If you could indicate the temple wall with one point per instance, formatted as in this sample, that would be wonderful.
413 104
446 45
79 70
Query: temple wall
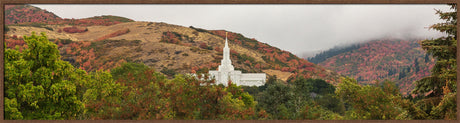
253 79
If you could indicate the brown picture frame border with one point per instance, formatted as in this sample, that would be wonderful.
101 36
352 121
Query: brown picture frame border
3 2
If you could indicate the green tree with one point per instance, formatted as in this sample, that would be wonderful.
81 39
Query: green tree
331 102
319 113
295 99
277 100
318 91
369 102
194 98
145 95
302 89
38 85
128 69
320 86
102 96
440 87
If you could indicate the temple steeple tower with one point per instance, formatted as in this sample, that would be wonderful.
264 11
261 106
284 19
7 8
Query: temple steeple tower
227 73
226 62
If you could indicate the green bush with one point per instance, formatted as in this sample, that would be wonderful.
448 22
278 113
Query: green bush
169 72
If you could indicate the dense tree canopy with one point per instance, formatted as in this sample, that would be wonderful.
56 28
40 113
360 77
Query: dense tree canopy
370 102
141 93
38 85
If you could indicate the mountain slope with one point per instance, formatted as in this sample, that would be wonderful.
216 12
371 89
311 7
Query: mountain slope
396 60
33 16
167 48
17 14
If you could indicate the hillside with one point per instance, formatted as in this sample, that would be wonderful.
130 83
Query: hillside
28 15
396 60
168 48
18 14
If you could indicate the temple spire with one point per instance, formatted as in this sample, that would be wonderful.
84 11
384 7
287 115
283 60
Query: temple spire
226 72
226 44
226 62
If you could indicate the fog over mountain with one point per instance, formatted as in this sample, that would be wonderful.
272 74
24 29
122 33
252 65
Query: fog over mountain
295 28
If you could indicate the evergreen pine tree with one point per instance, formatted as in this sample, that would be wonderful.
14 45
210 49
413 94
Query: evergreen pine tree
440 87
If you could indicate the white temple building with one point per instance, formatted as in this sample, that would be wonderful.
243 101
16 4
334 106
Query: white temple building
226 72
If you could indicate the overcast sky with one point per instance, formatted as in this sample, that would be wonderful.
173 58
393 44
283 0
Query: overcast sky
295 28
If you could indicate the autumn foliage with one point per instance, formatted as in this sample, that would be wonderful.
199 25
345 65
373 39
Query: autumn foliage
114 34
74 29
146 94
15 41
396 60
15 14
171 37
26 14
